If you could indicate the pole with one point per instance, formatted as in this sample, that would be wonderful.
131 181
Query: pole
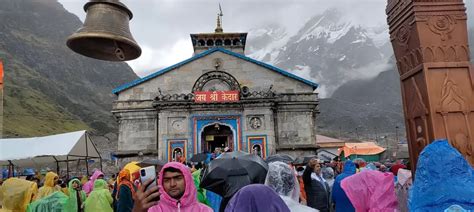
1 99
67 167
11 169
57 165
158 156
87 155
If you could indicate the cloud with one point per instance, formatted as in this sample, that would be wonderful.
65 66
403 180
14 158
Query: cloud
160 58
161 25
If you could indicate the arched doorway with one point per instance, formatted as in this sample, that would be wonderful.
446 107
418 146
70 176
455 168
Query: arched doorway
257 150
216 136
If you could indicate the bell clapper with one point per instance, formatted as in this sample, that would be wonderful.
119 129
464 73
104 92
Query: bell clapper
119 52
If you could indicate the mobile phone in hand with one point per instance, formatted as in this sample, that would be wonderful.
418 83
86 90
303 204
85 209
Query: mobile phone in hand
146 174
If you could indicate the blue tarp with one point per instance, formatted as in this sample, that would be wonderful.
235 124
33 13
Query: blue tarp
5 173
443 178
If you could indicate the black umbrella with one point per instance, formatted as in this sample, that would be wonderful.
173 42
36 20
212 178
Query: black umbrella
232 171
152 162
304 159
280 157
198 157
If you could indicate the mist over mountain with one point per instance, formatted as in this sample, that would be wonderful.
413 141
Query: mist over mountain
48 88
330 49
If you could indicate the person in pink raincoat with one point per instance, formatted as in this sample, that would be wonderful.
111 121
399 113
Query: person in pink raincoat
90 184
371 191
176 191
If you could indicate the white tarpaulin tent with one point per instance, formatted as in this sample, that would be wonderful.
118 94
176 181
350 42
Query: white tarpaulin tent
38 151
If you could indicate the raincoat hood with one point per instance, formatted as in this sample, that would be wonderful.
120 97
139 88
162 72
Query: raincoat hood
370 166
49 186
189 196
349 168
338 195
282 179
70 187
90 184
49 179
100 198
96 175
443 178
371 191
17 194
100 184
255 198
328 173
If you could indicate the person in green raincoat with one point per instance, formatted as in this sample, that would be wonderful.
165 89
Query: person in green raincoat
56 201
99 199
201 193
76 196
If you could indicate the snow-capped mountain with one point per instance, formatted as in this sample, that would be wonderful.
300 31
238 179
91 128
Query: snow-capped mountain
330 49
264 43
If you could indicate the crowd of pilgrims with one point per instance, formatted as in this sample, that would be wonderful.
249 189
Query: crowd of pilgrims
317 186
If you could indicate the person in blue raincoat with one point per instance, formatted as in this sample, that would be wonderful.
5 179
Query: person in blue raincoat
444 180
339 197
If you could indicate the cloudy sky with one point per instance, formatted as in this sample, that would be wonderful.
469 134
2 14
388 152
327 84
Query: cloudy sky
162 27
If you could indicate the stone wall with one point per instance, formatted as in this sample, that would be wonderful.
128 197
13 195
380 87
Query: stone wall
137 130
182 79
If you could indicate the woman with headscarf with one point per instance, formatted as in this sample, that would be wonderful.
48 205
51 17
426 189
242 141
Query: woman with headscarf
282 179
371 191
50 185
256 198
99 199
17 194
125 192
76 196
339 197
316 187
90 184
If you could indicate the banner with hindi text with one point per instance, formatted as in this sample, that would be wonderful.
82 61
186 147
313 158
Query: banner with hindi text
216 96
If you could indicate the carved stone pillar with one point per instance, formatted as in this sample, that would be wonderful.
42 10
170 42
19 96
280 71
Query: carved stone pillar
429 38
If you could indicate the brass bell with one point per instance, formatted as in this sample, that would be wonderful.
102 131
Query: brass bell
106 33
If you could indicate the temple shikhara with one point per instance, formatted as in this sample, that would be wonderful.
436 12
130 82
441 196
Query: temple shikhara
217 98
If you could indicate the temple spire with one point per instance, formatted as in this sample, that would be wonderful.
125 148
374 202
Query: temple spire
219 20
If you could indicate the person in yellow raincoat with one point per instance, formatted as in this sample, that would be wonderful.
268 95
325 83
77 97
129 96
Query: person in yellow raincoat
17 194
50 185
84 179
99 199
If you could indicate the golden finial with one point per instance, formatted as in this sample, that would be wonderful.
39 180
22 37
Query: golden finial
219 17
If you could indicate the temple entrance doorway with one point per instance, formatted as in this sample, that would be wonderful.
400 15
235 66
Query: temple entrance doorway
216 136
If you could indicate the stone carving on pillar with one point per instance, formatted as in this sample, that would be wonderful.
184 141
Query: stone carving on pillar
429 38
442 25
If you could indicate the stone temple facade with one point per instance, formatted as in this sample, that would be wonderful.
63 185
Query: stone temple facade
217 98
